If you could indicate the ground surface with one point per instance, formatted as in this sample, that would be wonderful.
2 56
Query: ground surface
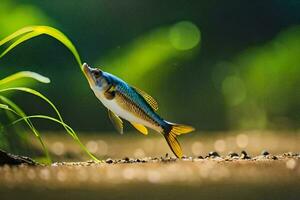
137 167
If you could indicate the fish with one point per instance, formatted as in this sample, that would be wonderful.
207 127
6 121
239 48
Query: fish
127 102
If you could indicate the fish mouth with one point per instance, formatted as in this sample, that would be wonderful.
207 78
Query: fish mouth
87 70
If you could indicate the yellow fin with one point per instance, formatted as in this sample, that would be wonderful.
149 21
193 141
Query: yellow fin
174 144
141 128
152 102
179 129
176 130
116 121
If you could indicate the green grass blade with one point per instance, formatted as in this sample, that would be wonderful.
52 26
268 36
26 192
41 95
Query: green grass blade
19 41
18 111
24 74
33 31
43 117
36 93
27 33
5 107
62 38
16 34
68 128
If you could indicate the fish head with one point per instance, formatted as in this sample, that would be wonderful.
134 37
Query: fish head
97 78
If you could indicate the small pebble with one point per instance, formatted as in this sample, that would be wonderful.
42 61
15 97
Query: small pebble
109 161
244 155
213 154
187 158
274 158
233 154
184 157
200 157
290 154
265 153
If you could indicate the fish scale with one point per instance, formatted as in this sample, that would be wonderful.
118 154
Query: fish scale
139 102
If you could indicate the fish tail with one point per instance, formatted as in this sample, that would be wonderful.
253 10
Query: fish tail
172 132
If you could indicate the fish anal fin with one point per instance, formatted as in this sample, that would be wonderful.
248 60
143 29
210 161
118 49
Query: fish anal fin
141 128
149 99
116 121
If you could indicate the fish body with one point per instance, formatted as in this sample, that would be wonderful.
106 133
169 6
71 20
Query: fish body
130 105
134 105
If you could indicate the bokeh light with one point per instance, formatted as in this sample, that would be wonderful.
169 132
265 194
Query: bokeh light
185 35
234 90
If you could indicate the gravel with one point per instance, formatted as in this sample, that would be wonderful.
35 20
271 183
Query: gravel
265 153
244 155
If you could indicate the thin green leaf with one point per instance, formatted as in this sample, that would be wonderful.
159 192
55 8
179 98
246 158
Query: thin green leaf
36 93
27 33
19 41
24 74
68 128
18 111
33 31
5 107
43 117
16 34
62 38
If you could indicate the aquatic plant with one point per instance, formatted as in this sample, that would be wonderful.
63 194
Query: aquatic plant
12 41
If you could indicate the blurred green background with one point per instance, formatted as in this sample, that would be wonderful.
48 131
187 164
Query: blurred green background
217 65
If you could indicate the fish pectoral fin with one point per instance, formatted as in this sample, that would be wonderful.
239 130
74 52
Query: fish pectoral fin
110 93
149 99
116 121
141 128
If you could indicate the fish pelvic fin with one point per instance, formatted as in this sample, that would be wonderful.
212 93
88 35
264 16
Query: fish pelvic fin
141 128
116 121
174 131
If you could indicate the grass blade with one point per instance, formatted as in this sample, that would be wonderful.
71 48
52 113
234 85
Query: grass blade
36 93
24 74
67 127
43 117
19 41
18 111
5 107
62 38
25 34
34 31
16 34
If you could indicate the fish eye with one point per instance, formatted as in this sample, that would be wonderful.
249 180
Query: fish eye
97 73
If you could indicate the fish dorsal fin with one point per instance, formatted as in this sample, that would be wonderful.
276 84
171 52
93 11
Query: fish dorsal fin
141 128
116 121
152 102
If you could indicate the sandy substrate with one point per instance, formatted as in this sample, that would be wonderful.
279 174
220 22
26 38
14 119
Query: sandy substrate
233 166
